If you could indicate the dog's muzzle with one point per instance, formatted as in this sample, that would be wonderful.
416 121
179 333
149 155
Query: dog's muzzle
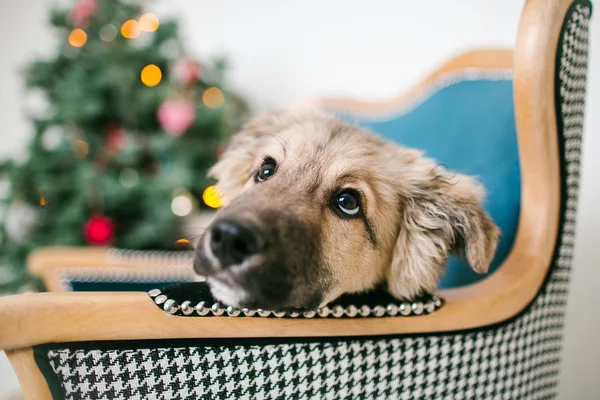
271 265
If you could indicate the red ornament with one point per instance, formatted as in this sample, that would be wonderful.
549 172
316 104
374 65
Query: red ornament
115 137
186 72
99 230
81 13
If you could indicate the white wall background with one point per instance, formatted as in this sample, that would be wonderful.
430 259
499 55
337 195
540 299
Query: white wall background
284 51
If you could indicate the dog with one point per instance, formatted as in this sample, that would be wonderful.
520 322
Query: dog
314 207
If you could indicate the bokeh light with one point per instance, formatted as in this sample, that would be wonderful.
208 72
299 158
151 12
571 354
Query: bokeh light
182 205
212 197
149 22
130 29
108 33
77 37
213 97
80 149
151 75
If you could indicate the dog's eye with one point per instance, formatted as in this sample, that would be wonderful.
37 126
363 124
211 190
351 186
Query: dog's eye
348 202
266 170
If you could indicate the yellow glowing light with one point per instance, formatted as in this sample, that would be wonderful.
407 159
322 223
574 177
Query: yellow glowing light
130 29
77 37
43 201
80 148
212 197
149 22
182 241
151 75
213 97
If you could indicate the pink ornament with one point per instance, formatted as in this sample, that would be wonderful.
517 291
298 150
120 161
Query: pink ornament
81 13
186 72
176 116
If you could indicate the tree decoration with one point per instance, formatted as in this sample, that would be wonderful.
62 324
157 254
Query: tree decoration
52 138
99 230
151 75
176 115
212 197
108 33
105 140
77 37
130 29
115 137
20 222
186 72
213 98
81 13
183 202
149 22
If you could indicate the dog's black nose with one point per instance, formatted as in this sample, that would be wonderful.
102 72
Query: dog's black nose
232 242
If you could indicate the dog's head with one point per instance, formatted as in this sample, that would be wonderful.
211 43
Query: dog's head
314 208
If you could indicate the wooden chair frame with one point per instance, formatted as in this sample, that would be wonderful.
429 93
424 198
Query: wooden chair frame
33 319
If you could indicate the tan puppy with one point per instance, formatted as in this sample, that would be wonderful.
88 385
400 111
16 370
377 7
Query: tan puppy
315 208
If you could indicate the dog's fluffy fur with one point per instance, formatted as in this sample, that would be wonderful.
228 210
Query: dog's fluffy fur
415 213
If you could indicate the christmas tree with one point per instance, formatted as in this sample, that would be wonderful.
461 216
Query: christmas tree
120 156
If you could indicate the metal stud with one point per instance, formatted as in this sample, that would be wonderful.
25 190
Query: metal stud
217 310
232 311
154 292
264 313
378 311
248 313
337 311
429 307
294 314
405 308
437 301
392 309
364 311
351 310
417 307
201 310
160 299
186 307
171 306
323 312
309 314
279 314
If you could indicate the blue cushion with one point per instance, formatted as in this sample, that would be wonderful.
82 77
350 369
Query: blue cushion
469 127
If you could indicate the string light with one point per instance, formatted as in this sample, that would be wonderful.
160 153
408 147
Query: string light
80 149
77 37
182 205
151 75
108 33
211 197
130 29
149 22
182 241
213 98
43 200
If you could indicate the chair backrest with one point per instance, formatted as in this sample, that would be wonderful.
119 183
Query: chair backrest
463 116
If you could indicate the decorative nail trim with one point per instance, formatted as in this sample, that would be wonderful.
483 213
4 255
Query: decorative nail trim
427 305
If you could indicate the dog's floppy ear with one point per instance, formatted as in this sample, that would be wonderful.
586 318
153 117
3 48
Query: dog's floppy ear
441 213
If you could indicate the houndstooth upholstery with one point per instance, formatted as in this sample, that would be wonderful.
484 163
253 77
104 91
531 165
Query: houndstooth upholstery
517 360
